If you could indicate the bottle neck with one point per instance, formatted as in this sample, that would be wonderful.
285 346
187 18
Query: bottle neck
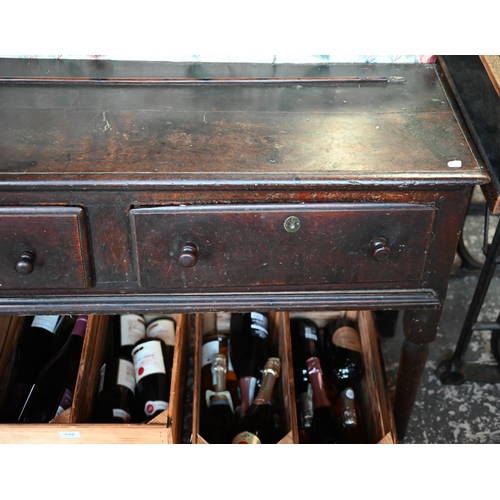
80 326
270 374
320 397
219 367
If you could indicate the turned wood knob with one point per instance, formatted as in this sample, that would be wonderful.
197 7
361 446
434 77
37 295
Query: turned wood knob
188 256
380 250
25 263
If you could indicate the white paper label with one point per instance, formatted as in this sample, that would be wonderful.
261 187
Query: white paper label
119 413
148 359
69 435
153 406
163 329
132 328
259 324
207 352
126 374
49 323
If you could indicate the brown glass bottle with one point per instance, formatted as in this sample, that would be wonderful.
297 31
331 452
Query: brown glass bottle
258 424
217 426
345 368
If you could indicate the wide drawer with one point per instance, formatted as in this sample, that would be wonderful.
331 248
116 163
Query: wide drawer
373 396
73 425
207 247
43 248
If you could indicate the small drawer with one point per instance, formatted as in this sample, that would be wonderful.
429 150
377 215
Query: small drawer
44 248
279 346
269 246
73 425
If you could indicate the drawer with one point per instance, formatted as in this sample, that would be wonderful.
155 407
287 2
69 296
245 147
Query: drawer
269 246
373 392
279 346
373 395
44 248
73 425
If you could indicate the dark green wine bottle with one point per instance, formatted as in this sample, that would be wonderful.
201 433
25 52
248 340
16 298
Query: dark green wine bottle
258 425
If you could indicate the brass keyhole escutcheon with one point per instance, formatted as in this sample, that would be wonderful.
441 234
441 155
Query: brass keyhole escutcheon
292 224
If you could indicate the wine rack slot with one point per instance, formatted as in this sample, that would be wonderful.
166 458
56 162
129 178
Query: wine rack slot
73 426
373 395
279 346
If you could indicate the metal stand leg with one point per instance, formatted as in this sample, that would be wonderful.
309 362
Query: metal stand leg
455 371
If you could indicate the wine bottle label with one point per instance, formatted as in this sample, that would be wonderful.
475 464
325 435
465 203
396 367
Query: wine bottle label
148 359
259 324
119 413
163 329
310 333
213 347
207 352
246 437
152 407
65 402
348 338
132 329
48 323
102 374
126 374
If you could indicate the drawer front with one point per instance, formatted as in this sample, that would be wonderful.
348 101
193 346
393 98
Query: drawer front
43 248
266 246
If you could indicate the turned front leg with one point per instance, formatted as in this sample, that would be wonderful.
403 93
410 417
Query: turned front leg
420 328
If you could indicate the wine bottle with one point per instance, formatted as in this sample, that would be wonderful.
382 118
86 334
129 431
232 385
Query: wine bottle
164 328
53 390
305 344
258 424
33 351
326 426
152 376
128 329
344 363
248 350
215 342
116 393
62 333
217 426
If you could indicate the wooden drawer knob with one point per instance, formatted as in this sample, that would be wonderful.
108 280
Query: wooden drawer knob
188 256
380 250
25 263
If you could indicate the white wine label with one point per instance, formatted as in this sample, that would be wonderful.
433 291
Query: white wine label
310 333
348 338
148 359
132 328
69 435
119 413
48 323
246 438
126 375
152 407
163 329
207 352
259 324
65 402
102 374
